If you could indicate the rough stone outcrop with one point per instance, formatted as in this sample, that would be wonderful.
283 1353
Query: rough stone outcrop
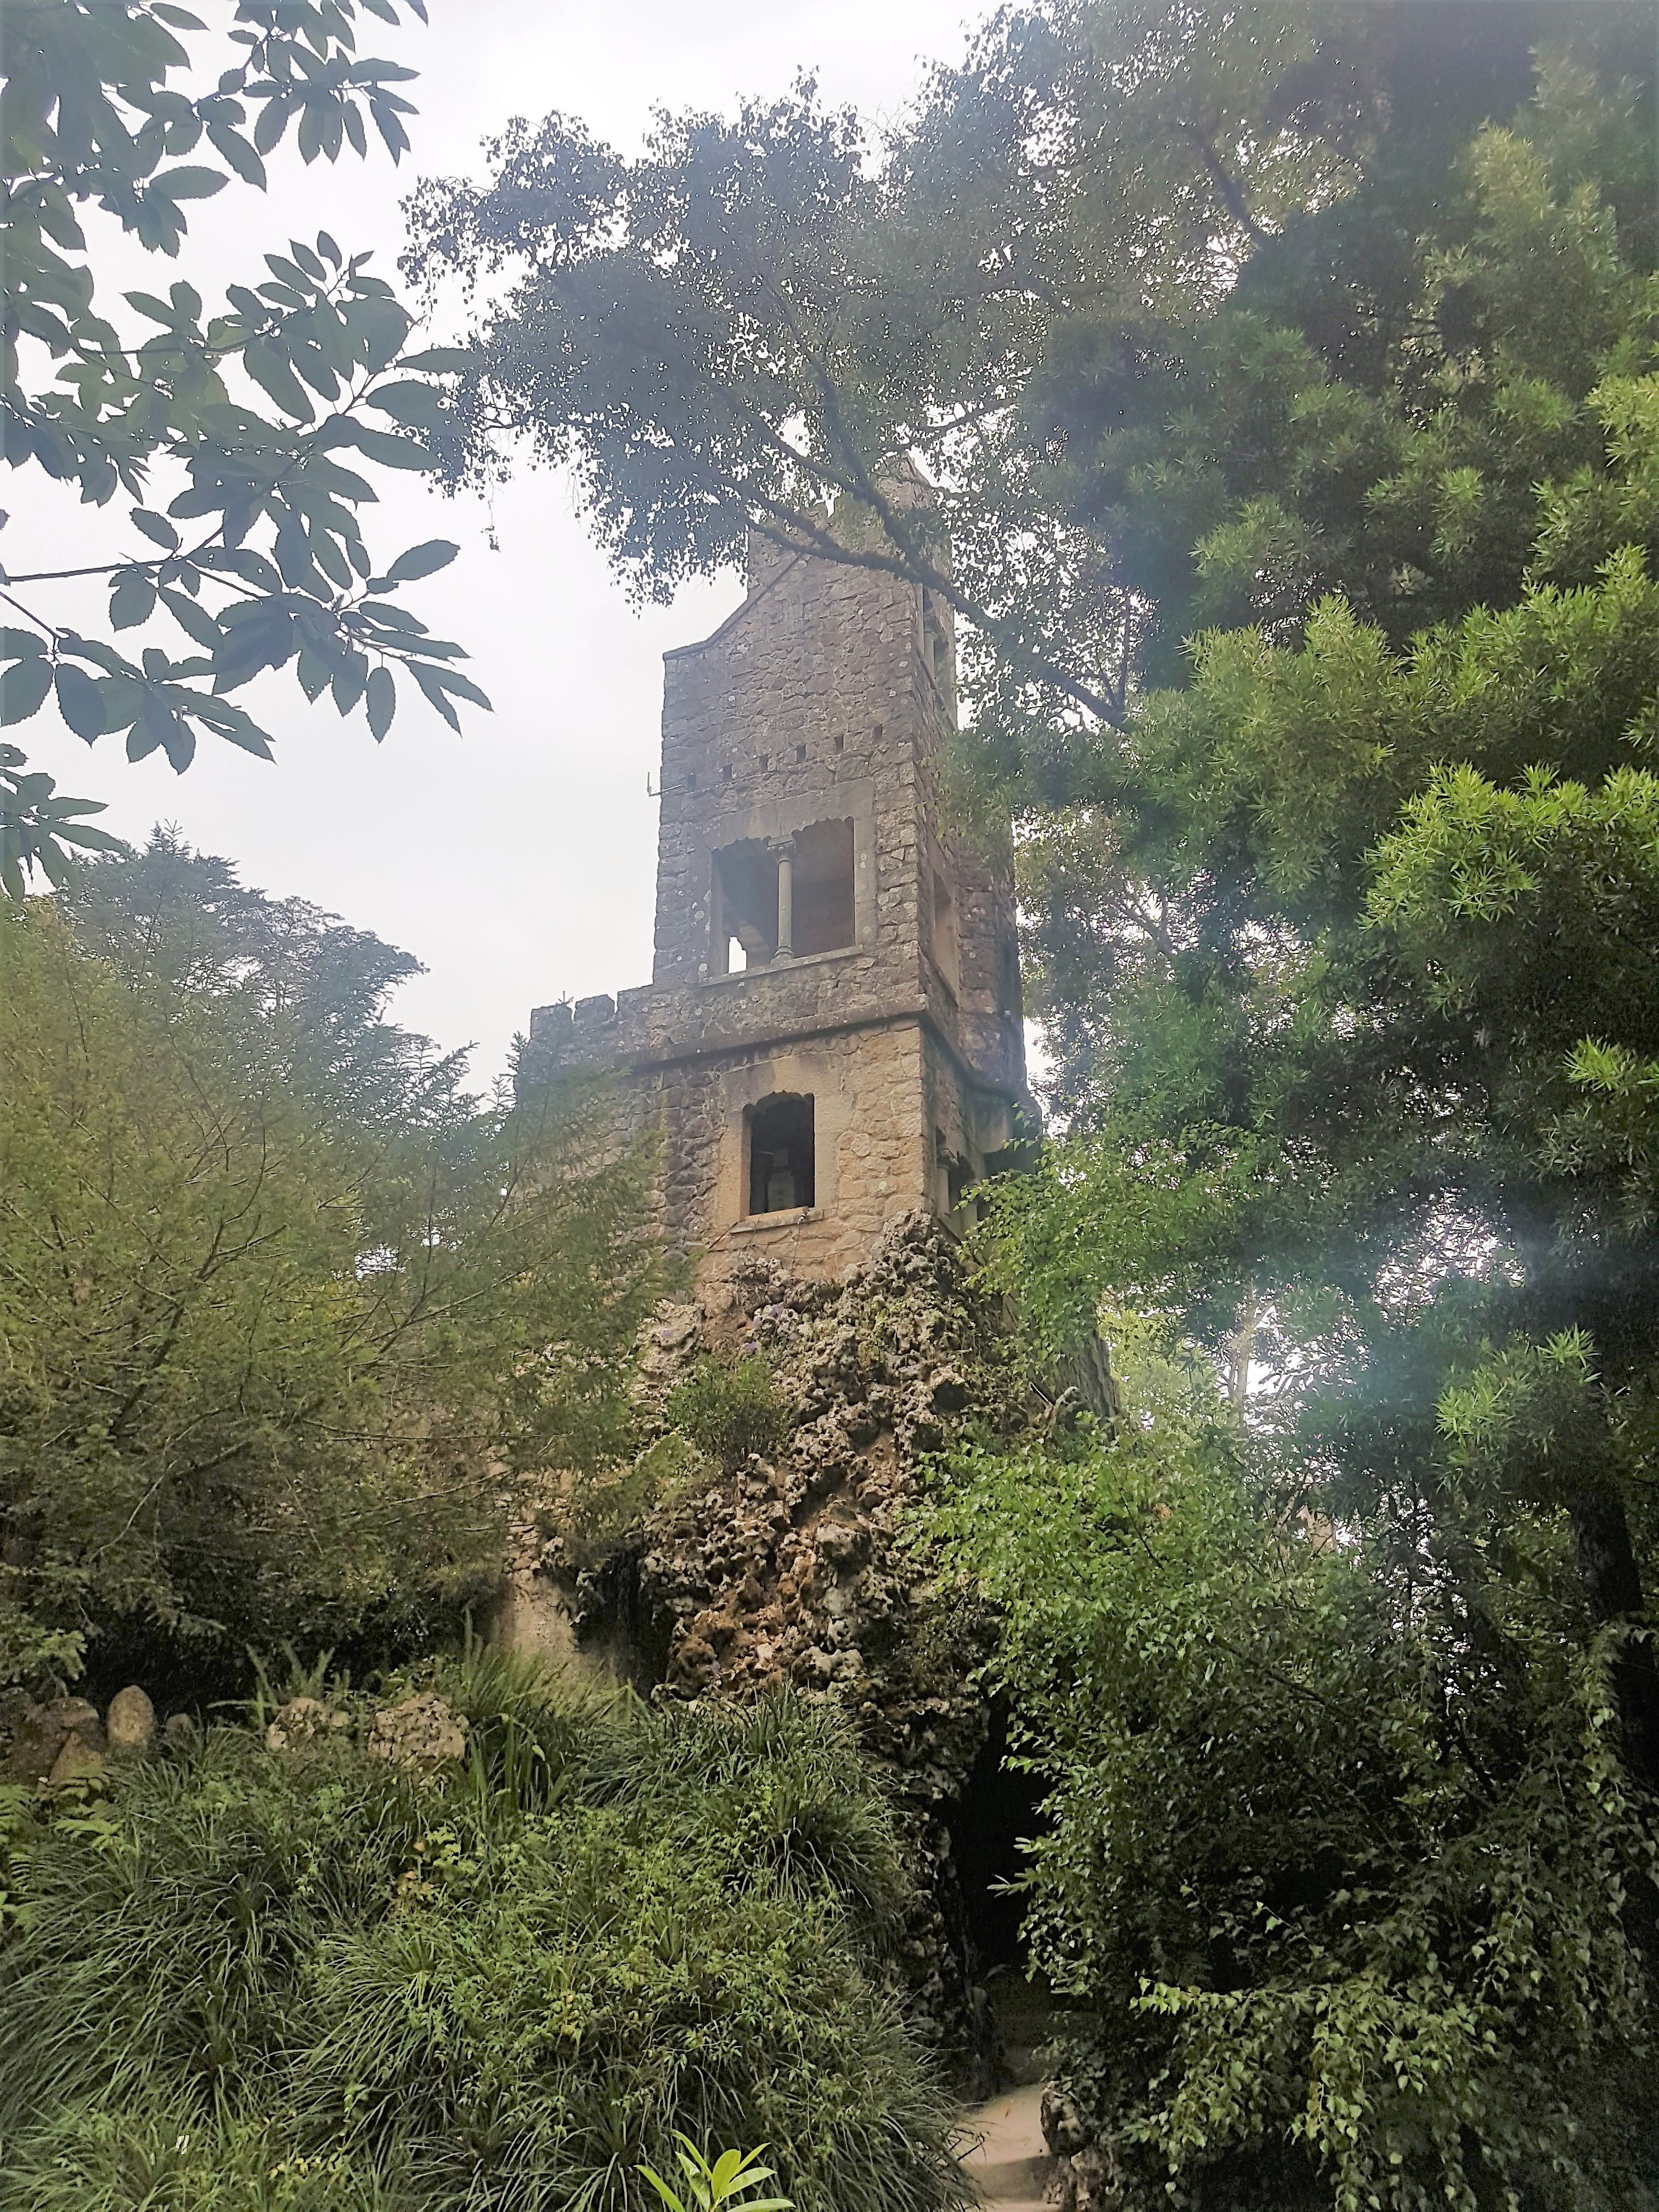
41 1733
423 1732
804 1566
301 1723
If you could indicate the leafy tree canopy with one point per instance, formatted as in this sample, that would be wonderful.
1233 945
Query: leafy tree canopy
1088 289
237 435
287 1320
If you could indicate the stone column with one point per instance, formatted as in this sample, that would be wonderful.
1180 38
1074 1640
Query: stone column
786 852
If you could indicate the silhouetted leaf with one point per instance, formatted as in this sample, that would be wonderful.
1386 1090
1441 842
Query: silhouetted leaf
79 701
421 561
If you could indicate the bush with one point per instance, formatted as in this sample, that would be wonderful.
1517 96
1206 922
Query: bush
1332 1940
307 1981
608 1502
730 1409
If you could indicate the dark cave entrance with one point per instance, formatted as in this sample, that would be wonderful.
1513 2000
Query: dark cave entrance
998 1807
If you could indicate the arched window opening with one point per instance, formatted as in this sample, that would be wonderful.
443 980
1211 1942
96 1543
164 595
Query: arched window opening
782 1165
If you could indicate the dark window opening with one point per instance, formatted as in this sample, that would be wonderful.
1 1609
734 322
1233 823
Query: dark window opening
823 888
801 752
768 915
691 780
840 745
745 904
726 771
782 1164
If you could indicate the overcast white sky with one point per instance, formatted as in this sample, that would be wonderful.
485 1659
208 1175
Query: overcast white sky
516 862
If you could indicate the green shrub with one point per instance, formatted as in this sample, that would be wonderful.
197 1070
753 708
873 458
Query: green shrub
312 1983
607 1503
730 1409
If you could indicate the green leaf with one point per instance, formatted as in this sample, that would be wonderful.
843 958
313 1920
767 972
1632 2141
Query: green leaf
280 266
391 452
189 184
314 672
160 724
349 682
193 619
426 678
421 561
380 697
417 404
391 130
293 551
132 601
79 701
253 568
442 360
18 644
230 145
23 688
463 687
272 373
155 527
273 120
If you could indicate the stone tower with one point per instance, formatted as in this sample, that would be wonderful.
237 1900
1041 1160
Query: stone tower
832 1035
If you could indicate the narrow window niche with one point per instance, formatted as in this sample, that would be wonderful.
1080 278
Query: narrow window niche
947 957
933 649
782 1165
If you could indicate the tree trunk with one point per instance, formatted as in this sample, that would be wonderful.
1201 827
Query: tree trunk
1613 1587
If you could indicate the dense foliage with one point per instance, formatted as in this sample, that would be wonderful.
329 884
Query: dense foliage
286 1318
308 1980
1354 1914
1288 374
227 430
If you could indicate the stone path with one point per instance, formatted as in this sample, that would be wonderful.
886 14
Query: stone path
1010 2162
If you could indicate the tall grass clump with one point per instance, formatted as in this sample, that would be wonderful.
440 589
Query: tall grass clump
311 1983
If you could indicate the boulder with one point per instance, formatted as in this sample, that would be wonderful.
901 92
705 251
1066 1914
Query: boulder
41 1731
181 1733
129 1724
1064 2127
79 1761
424 1731
303 1722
